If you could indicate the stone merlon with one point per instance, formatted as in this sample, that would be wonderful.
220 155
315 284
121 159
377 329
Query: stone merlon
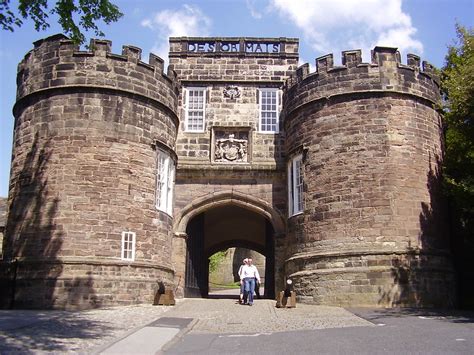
56 62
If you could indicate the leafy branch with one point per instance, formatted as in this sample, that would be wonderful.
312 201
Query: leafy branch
75 16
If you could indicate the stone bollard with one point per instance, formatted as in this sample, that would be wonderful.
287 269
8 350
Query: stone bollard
164 297
287 298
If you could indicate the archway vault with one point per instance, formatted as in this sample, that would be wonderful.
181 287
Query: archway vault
236 244
243 221
228 197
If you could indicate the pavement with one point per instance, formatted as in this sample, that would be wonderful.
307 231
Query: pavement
204 324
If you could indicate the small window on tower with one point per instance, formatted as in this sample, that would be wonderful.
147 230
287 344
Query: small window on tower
128 246
295 185
165 173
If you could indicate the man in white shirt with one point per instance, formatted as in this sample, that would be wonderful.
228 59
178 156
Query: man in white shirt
249 274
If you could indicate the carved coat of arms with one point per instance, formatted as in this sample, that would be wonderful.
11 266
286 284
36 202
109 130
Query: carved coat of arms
230 150
232 92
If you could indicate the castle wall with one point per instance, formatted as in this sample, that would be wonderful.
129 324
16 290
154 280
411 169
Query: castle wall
83 171
88 125
372 230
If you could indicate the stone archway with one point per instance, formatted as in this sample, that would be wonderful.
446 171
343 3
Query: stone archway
224 198
217 220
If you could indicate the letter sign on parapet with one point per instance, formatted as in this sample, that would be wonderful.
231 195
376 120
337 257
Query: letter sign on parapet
233 47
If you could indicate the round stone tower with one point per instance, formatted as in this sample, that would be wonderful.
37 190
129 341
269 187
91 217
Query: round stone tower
83 229
371 229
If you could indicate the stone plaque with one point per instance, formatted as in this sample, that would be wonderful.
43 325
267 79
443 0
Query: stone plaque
231 146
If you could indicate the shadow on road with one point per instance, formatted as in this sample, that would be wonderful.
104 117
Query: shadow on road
44 331
229 294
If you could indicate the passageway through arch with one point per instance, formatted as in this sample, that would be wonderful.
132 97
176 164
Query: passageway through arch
224 266
221 227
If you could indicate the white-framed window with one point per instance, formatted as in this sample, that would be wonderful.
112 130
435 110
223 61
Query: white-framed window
128 246
164 181
269 110
295 185
195 108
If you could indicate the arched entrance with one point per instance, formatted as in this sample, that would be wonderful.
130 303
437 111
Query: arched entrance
222 221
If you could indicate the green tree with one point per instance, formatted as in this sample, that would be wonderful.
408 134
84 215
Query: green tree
457 83
74 15
216 259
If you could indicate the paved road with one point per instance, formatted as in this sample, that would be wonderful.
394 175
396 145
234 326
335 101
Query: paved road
389 332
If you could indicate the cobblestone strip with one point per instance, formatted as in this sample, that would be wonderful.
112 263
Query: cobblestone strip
227 316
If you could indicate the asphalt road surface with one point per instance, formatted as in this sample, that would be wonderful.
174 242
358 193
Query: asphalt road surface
402 331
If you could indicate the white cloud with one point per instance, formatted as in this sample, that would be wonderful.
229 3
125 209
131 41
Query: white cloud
187 21
253 11
336 25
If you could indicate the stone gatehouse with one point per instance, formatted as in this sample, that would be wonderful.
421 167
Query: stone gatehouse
125 177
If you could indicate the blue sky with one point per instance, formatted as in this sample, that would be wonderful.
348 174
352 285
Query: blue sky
423 27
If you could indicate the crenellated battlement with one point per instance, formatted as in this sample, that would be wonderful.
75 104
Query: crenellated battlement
384 73
100 48
381 56
57 61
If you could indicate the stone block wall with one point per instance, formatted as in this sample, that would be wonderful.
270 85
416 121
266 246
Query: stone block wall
82 283
245 71
371 140
262 175
84 170
374 279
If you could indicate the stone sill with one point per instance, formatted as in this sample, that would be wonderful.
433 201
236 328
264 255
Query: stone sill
205 166
361 269
95 261
368 252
